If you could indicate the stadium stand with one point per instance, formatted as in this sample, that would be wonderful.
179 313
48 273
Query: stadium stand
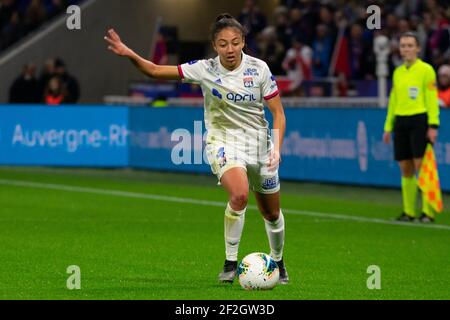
323 48
316 48
20 17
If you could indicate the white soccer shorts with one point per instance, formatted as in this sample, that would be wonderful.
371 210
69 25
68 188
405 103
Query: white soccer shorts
223 158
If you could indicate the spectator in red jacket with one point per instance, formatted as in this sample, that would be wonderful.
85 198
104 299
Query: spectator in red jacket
444 86
55 93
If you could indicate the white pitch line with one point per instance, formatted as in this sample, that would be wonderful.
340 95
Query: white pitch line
118 193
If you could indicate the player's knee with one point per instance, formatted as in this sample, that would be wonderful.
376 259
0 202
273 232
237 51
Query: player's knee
239 200
408 172
271 215
407 169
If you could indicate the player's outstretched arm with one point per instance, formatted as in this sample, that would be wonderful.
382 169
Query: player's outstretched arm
279 128
145 66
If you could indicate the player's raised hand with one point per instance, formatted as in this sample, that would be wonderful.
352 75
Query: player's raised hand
115 44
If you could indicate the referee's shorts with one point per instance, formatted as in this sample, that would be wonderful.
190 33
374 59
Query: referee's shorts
410 136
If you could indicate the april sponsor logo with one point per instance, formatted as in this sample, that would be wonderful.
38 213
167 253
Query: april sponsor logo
234 97
71 139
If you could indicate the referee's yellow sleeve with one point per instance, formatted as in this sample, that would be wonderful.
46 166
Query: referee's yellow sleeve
390 118
431 97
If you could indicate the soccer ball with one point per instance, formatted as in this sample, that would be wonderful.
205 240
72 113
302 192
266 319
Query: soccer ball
258 271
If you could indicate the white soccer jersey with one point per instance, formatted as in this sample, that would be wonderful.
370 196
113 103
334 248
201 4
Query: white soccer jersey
233 99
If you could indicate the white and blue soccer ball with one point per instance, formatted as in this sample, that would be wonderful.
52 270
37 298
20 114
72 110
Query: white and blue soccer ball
258 271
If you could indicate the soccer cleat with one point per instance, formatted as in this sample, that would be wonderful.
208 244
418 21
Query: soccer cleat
284 277
426 219
405 218
229 271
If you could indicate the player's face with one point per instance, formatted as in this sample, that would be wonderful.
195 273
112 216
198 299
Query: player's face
409 50
228 45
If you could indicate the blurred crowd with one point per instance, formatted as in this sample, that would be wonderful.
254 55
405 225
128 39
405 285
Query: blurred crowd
312 43
54 85
19 17
314 39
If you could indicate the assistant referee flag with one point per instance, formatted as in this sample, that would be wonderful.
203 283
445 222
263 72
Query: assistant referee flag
429 180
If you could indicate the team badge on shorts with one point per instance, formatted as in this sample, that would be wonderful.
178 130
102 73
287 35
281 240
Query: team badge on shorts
248 82
222 159
270 183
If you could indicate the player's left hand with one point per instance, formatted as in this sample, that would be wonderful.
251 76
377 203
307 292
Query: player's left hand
432 135
116 45
274 160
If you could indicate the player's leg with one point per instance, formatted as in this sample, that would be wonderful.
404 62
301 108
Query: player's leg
266 187
409 190
427 211
235 182
419 142
232 175
403 154
269 206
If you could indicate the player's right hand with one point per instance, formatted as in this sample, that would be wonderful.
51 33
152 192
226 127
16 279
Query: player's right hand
274 161
115 44
387 137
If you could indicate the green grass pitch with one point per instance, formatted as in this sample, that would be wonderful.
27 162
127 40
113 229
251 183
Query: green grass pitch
142 235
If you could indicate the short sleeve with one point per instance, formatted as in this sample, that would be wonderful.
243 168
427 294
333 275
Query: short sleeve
192 72
431 96
269 87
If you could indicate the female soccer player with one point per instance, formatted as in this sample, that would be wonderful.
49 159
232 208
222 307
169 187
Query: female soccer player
413 116
238 145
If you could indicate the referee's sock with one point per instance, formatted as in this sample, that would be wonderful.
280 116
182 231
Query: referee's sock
234 223
426 207
409 192
275 233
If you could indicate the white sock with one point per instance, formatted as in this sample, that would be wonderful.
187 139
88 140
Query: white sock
234 223
275 233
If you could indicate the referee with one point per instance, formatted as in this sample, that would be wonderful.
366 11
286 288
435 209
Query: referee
413 117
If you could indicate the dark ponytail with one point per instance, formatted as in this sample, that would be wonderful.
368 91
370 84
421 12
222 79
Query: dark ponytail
225 20
224 16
